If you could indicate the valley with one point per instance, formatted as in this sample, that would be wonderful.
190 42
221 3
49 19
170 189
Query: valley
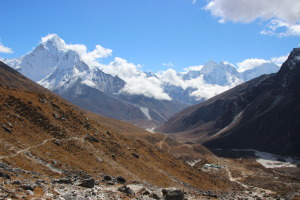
52 149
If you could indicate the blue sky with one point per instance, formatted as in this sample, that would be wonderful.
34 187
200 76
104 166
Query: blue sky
153 33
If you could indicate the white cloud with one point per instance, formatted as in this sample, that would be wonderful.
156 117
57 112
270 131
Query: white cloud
171 76
168 64
194 1
283 13
147 86
207 91
281 28
250 64
120 67
194 68
4 49
91 57
279 60
137 82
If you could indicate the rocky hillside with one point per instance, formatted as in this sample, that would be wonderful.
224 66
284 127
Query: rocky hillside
47 142
260 114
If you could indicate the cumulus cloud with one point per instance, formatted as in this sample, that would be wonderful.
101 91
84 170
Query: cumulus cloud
137 82
120 67
4 49
208 91
279 60
171 76
168 64
250 64
91 57
147 86
281 28
283 13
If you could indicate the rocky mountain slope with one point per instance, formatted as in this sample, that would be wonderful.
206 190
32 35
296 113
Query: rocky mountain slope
260 114
48 144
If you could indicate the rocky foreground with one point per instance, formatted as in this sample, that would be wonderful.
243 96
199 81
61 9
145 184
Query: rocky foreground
80 186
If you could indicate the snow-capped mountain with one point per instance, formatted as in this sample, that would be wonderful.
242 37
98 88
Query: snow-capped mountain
222 74
56 66
265 68
60 68
121 89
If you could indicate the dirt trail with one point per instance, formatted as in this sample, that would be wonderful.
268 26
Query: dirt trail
162 142
256 189
38 145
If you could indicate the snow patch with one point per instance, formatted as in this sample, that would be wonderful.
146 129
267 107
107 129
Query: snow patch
272 161
151 130
89 83
269 160
146 112
194 162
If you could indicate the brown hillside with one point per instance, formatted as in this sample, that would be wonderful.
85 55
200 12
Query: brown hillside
44 135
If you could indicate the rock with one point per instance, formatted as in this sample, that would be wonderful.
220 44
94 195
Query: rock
28 187
121 180
126 190
6 176
40 181
87 126
57 142
135 155
62 181
110 183
173 194
88 183
108 133
43 100
144 191
17 182
107 178
157 194
9 124
91 138
55 116
6 129
210 194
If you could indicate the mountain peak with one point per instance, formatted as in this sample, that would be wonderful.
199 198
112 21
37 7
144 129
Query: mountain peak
53 40
293 58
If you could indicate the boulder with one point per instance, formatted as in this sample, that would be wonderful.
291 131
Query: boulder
173 194
157 194
28 187
91 139
6 176
88 183
135 155
107 178
121 180
126 190
7 129
62 181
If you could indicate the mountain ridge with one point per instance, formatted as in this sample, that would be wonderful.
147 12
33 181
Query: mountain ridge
259 114
63 67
